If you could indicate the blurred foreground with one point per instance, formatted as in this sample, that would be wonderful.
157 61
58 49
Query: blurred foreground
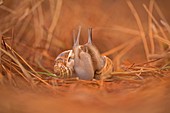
150 98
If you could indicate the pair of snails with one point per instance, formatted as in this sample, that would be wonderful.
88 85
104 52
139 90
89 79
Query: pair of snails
83 61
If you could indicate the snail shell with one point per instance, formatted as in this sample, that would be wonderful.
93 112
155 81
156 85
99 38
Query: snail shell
106 70
62 67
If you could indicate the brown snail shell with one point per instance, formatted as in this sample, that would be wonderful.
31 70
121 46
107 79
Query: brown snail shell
60 68
105 72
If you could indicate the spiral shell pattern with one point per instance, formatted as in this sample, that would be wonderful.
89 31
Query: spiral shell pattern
60 68
104 73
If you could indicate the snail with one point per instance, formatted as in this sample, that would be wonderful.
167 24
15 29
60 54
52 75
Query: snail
83 61
64 63
83 65
103 65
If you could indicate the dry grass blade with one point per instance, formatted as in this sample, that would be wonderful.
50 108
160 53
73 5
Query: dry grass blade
118 58
16 68
161 39
156 33
12 19
0 47
130 79
24 70
7 9
140 28
159 11
59 44
35 6
163 21
151 61
43 68
21 13
134 72
150 27
52 6
20 65
155 21
40 79
9 75
38 23
167 26
1 2
28 11
21 59
9 61
121 29
1 76
41 21
54 23
115 49
23 28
